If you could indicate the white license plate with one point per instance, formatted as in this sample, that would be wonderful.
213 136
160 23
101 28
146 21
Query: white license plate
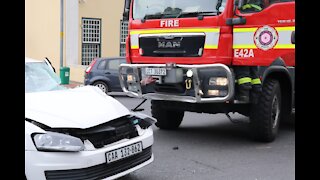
156 71
124 152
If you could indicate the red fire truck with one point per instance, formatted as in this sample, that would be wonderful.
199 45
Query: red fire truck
182 54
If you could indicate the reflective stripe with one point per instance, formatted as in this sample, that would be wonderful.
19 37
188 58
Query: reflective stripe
256 6
134 41
256 81
243 38
289 28
245 46
210 46
245 29
212 40
284 41
157 31
285 46
244 80
246 6
211 35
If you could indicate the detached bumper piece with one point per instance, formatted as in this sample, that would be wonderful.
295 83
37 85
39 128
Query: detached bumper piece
175 82
101 171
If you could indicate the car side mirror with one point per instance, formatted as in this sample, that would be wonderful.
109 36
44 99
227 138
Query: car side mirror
236 21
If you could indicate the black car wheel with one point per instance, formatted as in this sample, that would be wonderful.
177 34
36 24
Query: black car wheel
102 85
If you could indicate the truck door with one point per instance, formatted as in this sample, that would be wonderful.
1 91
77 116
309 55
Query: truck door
266 33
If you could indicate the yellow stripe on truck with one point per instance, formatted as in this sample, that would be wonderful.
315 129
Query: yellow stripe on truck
189 30
244 29
289 28
284 46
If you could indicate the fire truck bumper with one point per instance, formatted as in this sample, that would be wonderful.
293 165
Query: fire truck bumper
204 83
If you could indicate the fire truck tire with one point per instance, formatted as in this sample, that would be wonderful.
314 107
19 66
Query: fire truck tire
265 115
166 118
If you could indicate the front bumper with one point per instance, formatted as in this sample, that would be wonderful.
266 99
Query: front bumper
89 164
193 95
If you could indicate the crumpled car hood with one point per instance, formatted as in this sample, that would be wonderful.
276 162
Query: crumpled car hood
81 107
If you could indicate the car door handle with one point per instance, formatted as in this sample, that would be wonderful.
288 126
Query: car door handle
107 73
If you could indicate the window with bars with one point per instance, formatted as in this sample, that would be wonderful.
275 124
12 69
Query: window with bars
123 35
91 40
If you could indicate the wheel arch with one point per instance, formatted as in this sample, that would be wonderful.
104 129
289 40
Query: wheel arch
282 74
100 78
103 80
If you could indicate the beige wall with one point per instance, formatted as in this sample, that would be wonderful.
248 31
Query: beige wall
110 11
42 30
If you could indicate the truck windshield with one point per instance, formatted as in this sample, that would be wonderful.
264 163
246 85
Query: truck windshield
157 9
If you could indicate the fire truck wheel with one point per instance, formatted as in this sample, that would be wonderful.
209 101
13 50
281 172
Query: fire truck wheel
265 115
166 118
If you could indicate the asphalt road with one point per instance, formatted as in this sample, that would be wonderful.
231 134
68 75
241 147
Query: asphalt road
210 147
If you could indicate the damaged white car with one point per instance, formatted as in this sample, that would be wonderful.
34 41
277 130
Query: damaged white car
79 133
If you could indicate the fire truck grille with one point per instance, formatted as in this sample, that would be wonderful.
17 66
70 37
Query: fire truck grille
172 46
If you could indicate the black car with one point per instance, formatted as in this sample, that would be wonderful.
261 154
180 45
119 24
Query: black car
104 73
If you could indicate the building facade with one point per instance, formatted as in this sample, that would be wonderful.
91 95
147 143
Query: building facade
92 28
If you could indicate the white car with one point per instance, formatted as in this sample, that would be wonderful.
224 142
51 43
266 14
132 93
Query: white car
79 133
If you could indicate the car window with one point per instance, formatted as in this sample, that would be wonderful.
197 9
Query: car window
102 65
114 64
40 77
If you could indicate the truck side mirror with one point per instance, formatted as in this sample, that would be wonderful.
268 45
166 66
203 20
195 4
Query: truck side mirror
126 9
236 21
125 15
293 37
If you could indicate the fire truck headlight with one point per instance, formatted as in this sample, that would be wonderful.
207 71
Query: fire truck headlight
218 81
214 92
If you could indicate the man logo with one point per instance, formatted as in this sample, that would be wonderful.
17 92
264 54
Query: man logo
169 44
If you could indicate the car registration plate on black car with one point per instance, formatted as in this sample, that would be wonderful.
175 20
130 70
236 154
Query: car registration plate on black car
123 152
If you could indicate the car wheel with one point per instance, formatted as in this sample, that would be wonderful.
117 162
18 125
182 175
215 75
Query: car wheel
265 116
102 85
166 118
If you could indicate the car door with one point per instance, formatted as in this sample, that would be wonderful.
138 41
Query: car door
100 71
112 71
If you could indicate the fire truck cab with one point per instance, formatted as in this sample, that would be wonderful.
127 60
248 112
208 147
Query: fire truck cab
182 54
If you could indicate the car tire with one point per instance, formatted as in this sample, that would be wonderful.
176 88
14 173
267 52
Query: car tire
102 85
168 119
266 114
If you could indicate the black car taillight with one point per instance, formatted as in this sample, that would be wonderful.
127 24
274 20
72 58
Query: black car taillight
89 68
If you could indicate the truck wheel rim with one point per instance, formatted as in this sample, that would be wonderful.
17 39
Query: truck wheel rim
275 111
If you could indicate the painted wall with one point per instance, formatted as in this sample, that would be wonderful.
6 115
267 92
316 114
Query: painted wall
110 13
42 30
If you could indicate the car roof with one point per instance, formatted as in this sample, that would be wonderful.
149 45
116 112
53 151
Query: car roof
27 59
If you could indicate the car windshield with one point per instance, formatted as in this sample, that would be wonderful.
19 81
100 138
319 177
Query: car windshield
40 77
157 9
